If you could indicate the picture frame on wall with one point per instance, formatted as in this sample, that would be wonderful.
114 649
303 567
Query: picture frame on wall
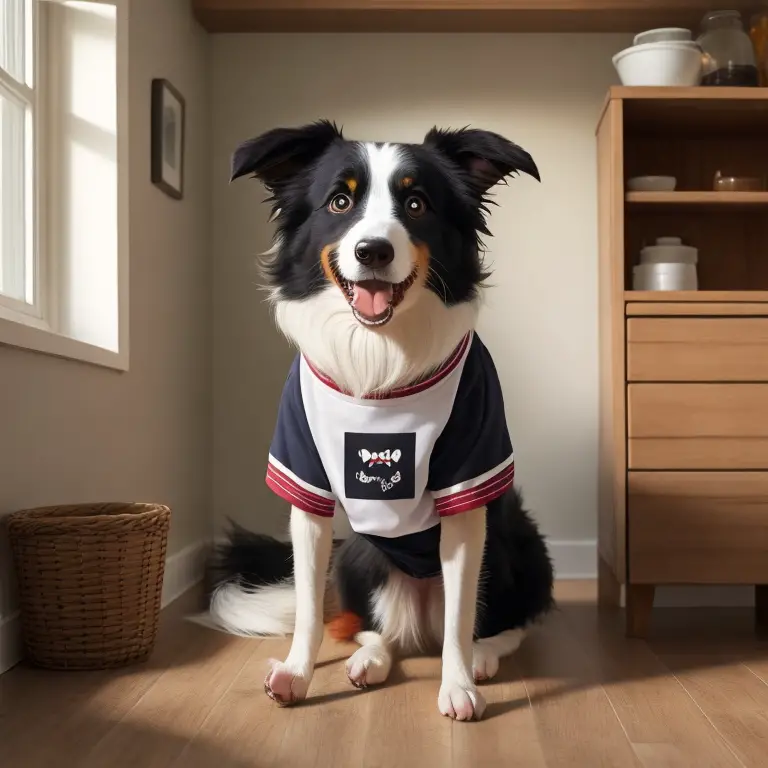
168 124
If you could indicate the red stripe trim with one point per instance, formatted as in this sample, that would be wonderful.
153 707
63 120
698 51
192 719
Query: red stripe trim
473 498
412 389
294 494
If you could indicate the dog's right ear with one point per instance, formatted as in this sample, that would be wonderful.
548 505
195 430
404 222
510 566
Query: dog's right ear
278 155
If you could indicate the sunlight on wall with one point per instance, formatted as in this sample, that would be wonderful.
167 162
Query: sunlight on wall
83 143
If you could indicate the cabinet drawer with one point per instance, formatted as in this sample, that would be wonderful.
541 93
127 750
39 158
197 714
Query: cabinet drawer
697 349
697 426
698 527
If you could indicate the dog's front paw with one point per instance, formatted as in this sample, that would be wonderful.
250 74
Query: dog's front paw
369 665
460 702
286 684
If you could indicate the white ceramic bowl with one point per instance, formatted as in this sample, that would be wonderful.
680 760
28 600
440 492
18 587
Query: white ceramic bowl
669 250
652 183
663 34
664 277
665 64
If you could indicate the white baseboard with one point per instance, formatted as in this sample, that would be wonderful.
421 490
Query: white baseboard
10 641
183 570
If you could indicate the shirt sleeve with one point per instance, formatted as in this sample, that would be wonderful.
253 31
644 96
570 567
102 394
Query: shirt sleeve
473 462
295 471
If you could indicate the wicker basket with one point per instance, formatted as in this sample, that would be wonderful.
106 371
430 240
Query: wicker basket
90 581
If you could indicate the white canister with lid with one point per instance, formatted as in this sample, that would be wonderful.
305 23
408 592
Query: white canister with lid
665 277
669 250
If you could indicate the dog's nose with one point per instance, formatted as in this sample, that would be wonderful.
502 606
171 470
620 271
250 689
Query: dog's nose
375 252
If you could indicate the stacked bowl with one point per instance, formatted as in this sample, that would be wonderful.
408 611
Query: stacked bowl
668 265
667 56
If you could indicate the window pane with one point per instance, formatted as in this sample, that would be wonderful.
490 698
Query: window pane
15 24
13 193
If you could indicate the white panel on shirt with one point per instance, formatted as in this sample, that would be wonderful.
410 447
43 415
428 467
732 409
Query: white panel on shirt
331 414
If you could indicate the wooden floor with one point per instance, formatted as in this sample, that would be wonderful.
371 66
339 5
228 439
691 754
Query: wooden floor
577 693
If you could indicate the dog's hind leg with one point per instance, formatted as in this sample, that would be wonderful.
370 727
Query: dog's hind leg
371 663
487 651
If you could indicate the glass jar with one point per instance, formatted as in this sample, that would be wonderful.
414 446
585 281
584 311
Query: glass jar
759 33
729 58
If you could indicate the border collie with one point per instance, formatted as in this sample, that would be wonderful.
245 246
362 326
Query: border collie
392 411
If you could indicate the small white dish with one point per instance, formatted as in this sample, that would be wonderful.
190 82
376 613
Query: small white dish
664 277
669 250
660 64
663 34
652 184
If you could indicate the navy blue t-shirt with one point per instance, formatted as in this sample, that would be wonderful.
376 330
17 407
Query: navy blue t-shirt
399 463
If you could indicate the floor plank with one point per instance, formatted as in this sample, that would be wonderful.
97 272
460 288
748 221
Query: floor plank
663 724
734 700
178 704
578 694
575 721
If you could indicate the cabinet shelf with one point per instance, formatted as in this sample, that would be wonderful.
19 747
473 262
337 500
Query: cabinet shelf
694 296
698 199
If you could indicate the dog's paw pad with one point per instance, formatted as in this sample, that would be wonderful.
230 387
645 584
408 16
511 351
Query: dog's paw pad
485 662
284 685
460 703
368 665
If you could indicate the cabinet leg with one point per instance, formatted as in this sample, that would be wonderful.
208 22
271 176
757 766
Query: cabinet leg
608 586
761 610
639 607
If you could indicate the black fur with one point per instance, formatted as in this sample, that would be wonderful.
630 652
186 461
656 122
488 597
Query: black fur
249 560
303 168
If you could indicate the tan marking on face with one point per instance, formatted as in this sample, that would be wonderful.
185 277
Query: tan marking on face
422 262
351 185
325 261
407 181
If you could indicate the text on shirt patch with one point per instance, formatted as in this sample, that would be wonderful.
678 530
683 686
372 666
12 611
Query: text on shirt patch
388 463
385 457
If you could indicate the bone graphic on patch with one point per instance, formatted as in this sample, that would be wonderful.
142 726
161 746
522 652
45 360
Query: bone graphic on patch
382 457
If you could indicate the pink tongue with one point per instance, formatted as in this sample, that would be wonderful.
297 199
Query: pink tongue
372 297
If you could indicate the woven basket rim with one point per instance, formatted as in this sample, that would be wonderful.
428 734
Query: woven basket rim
63 512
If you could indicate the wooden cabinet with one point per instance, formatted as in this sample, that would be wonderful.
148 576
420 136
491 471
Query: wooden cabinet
683 472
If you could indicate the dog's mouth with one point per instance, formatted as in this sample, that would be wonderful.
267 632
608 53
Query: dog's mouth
373 302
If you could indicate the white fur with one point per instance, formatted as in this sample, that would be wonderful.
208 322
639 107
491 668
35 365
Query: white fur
266 611
371 663
462 541
398 608
421 335
378 220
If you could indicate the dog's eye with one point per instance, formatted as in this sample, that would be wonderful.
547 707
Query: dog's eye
340 204
415 207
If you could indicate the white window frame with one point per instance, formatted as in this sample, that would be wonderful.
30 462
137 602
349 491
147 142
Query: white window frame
35 326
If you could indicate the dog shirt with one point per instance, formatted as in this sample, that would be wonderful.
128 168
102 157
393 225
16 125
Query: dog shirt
395 463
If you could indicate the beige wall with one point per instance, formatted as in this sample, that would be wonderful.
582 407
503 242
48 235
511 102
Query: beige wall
540 323
73 432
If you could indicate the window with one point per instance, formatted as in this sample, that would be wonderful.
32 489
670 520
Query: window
63 254
18 109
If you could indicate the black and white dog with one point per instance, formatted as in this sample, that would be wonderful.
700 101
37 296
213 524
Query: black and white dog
392 411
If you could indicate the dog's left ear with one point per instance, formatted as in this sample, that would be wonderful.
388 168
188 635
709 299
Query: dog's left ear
484 156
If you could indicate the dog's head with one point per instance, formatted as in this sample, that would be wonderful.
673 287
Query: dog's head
378 223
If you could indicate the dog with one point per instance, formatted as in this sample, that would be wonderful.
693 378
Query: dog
392 411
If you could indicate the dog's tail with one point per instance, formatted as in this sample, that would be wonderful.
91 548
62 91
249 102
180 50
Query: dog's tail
251 589
249 584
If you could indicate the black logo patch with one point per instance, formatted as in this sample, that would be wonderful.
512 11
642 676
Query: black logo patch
380 466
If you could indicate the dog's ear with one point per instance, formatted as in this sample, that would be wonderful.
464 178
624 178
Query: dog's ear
278 155
485 157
